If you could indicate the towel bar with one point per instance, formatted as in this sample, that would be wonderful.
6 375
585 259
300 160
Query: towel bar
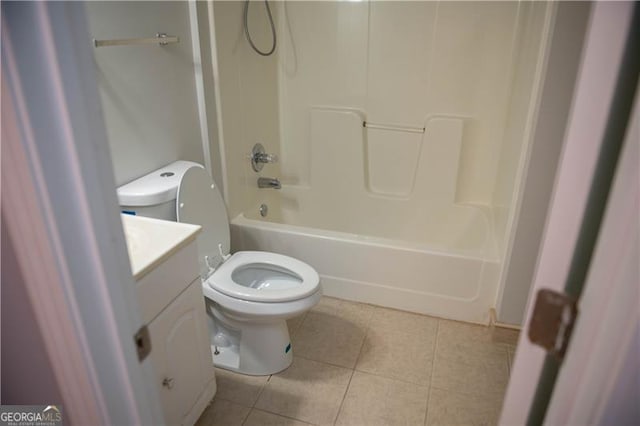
391 127
160 39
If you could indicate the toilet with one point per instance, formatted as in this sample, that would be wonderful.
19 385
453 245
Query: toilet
249 295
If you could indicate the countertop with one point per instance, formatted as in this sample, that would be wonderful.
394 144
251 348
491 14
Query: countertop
152 241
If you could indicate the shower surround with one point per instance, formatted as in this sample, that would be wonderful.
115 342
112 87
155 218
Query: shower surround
402 130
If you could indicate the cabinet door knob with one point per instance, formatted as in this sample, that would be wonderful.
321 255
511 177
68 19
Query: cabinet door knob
167 383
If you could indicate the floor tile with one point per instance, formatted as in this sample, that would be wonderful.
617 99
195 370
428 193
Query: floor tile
470 360
453 408
223 413
394 321
472 370
505 336
357 313
333 332
294 323
308 390
239 388
401 356
399 345
262 418
374 400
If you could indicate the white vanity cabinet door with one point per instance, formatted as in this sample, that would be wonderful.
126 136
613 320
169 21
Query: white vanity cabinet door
181 354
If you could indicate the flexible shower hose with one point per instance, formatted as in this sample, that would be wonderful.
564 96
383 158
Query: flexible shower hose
246 29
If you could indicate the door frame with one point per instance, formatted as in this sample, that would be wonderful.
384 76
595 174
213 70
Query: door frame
603 53
60 208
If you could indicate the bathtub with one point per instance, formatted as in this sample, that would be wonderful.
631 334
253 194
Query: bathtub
447 283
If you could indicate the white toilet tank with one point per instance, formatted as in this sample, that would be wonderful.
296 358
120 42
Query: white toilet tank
154 194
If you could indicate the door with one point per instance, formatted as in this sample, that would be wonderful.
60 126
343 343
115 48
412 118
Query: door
583 243
181 353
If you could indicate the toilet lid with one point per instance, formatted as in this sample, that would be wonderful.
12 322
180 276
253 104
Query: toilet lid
199 202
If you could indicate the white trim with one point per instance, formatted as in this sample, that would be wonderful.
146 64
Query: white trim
216 85
601 58
199 79
525 157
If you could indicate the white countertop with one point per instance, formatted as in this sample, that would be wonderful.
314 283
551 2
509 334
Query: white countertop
152 241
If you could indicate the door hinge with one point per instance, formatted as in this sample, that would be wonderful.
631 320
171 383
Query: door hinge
554 315
143 342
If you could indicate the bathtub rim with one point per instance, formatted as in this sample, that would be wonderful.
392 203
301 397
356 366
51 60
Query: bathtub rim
242 220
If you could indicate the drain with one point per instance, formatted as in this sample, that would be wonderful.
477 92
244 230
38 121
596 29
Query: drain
264 209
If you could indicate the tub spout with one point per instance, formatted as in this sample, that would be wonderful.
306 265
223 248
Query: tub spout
265 182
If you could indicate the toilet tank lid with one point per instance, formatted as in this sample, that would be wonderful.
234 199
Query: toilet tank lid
156 187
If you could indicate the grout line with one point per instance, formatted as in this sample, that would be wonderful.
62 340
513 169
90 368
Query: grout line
353 370
246 417
364 339
262 388
359 350
433 366
282 415
484 395
289 417
344 396
391 377
394 378
324 362
228 400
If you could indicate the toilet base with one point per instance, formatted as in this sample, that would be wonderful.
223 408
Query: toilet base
256 349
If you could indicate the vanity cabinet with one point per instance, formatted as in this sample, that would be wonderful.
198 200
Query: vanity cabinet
164 262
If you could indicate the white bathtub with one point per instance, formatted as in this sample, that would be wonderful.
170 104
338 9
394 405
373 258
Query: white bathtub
403 275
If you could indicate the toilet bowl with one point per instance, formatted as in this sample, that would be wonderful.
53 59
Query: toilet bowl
249 295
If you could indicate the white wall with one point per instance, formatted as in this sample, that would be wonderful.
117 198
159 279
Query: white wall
249 101
148 93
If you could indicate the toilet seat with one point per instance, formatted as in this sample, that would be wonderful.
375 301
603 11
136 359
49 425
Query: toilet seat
264 277
249 276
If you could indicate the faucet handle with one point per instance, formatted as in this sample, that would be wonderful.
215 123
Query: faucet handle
259 157
267 158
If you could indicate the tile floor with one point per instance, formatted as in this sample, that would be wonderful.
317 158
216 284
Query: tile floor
357 364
